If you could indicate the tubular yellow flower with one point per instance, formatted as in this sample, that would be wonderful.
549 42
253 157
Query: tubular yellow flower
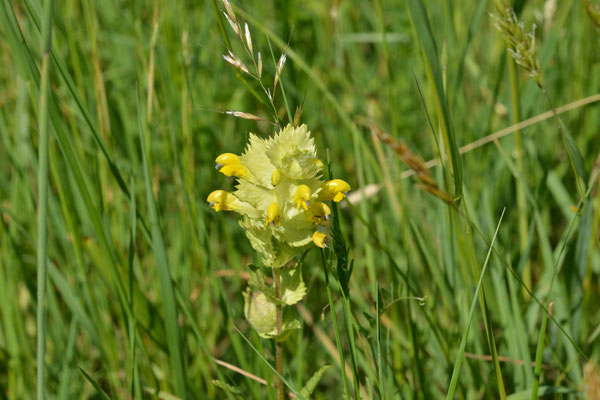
318 213
230 165
273 215
319 164
320 239
221 200
275 177
335 190
302 196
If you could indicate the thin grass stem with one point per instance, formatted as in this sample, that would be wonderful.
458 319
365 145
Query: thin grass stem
42 214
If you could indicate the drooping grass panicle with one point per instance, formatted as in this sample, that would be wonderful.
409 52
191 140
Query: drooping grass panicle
256 60
416 163
521 44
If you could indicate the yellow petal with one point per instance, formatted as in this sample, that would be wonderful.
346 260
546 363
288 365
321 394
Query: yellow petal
221 200
334 190
273 214
318 212
302 196
230 165
320 239
275 177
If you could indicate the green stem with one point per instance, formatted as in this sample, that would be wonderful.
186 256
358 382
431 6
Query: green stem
539 353
471 250
336 327
278 347
521 198
351 342
42 182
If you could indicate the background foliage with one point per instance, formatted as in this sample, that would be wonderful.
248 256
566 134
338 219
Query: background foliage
350 64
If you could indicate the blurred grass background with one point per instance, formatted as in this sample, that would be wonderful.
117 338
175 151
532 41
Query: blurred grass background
114 236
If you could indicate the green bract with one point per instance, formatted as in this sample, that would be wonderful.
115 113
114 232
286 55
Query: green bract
278 192
282 198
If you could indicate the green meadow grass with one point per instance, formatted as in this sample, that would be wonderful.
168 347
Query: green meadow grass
144 280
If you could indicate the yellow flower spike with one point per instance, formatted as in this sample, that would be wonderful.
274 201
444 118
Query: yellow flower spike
273 215
318 213
320 239
302 196
230 165
335 190
221 200
275 177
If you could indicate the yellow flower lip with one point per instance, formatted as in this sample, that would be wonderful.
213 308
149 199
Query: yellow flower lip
230 165
273 216
220 200
302 196
320 239
335 190
318 212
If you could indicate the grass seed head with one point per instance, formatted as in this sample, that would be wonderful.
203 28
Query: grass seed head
521 44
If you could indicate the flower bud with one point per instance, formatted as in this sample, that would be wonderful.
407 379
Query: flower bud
273 215
260 312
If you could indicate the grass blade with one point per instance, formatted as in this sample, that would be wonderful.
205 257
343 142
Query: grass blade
432 64
95 384
42 184
164 275
463 341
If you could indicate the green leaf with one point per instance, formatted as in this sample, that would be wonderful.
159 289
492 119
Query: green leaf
257 281
292 286
574 152
434 70
310 386
287 328
544 391
228 388
95 384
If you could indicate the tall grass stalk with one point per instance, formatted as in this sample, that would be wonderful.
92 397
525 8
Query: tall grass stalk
278 344
521 199
338 340
164 275
42 180
539 353
465 336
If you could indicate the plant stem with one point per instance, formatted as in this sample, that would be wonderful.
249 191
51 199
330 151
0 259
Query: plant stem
521 198
42 181
539 353
336 328
278 347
